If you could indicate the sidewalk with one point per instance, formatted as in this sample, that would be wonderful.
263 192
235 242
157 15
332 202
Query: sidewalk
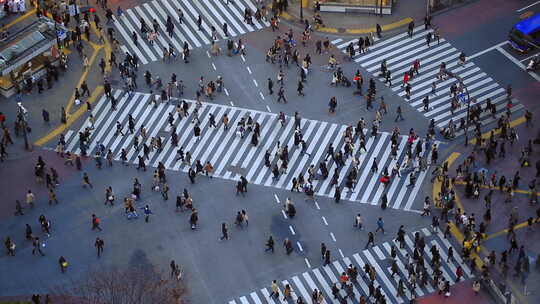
460 293
360 23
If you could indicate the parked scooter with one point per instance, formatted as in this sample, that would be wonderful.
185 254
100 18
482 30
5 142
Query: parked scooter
534 63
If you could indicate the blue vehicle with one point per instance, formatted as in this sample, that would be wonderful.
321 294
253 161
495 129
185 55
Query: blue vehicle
525 35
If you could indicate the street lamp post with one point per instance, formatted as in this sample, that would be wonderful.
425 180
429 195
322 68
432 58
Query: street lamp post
22 122
301 11
468 113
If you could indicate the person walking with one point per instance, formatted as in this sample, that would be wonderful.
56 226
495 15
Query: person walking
30 198
270 86
62 262
99 243
380 225
270 244
96 222
371 240
36 243
86 181
399 113
224 232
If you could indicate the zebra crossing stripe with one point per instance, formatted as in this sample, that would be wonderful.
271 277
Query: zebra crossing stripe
325 185
208 18
154 7
127 38
322 282
140 122
231 19
244 147
382 276
228 137
296 154
375 177
253 9
244 300
255 298
135 113
447 245
367 169
267 296
340 269
187 11
71 143
374 256
106 127
225 149
312 143
128 19
192 39
395 181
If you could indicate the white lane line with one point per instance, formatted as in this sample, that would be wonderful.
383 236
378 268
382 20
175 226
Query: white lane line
307 263
292 230
268 108
214 66
527 59
333 237
324 220
226 91
249 70
243 58
208 54
255 82
262 96
341 253
283 212
486 50
232 104
277 198
317 206
526 7
299 246
518 63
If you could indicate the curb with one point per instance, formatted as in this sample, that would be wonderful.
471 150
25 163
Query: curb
334 30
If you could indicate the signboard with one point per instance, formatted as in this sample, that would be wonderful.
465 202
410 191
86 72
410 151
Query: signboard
61 34
462 98
73 10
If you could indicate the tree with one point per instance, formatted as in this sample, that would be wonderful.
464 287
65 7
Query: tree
134 285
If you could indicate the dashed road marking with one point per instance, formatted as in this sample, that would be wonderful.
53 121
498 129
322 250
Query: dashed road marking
307 263
249 70
333 237
324 220
292 230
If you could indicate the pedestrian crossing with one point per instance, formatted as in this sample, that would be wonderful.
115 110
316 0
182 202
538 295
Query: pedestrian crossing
401 51
213 13
233 156
322 278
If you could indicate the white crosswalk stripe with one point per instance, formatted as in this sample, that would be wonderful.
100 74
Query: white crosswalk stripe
379 257
233 157
401 51
213 13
